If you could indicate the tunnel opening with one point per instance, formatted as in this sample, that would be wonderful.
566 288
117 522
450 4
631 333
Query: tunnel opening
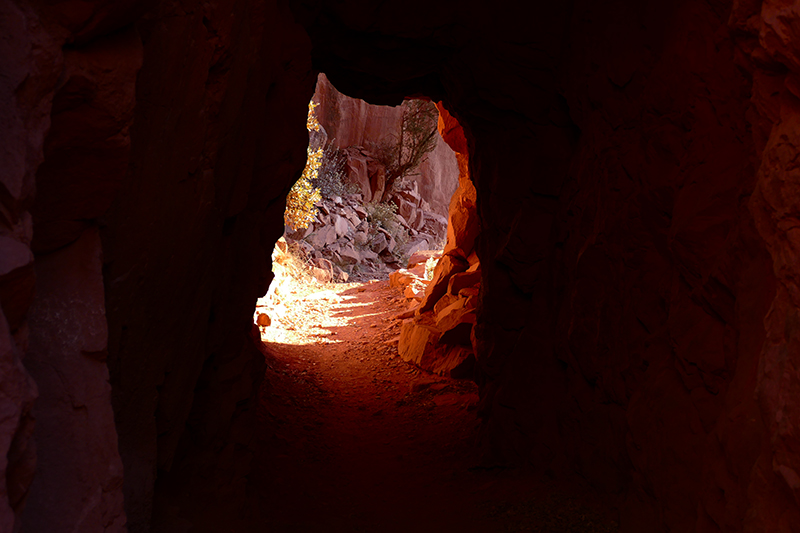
369 404
349 270
636 165
372 204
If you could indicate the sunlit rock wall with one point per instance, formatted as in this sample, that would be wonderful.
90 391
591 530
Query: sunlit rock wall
353 122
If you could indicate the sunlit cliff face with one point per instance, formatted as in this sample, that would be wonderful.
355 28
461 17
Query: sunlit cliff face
635 181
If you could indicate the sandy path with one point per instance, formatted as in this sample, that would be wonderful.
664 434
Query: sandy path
359 441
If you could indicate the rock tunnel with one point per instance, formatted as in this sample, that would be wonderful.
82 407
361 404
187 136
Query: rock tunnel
637 191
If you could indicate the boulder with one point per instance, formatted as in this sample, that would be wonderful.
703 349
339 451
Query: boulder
299 233
322 237
463 280
401 220
419 243
444 302
434 224
418 270
351 215
324 264
417 344
349 255
390 242
455 361
417 220
406 209
379 243
368 255
401 278
454 314
446 267
321 275
341 225
422 256
361 238
424 344
415 290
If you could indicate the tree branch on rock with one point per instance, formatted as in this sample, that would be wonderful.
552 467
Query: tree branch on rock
406 151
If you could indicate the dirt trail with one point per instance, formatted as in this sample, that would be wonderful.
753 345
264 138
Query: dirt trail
359 441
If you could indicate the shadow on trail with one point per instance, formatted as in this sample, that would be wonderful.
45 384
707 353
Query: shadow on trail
352 439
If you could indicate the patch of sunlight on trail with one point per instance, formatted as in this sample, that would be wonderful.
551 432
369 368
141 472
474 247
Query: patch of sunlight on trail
301 310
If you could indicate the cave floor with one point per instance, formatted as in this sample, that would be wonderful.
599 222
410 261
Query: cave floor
354 439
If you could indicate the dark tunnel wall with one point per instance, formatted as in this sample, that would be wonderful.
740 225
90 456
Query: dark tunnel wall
617 154
218 134
636 180
170 133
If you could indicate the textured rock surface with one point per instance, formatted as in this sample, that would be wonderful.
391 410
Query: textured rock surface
79 472
351 123
625 279
773 48
635 184
79 476
29 62
439 337
217 138
17 393
163 147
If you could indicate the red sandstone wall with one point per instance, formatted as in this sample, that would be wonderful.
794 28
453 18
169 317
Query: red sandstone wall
146 151
218 137
636 186
667 282
23 125
73 480
635 189
353 122
769 50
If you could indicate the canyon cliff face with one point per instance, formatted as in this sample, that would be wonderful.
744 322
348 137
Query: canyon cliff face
350 122
637 194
